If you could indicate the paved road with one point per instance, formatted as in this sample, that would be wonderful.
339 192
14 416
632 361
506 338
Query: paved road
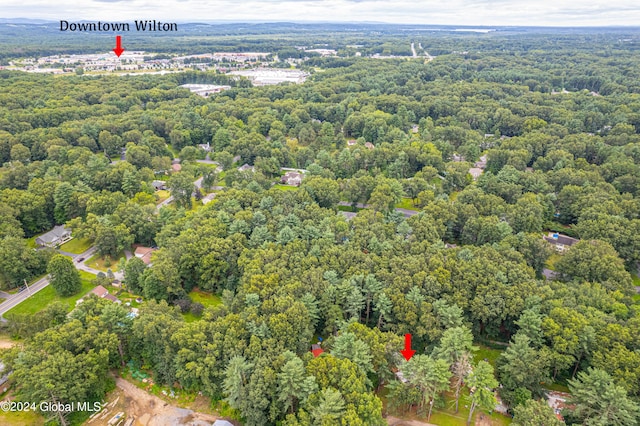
18 298
405 212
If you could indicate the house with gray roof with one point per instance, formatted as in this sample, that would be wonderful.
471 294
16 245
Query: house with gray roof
57 236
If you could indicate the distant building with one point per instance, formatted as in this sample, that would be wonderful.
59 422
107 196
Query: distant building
245 167
351 142
144 253
205 90
292 178
57 236
369 145
176 167
159 185
560 242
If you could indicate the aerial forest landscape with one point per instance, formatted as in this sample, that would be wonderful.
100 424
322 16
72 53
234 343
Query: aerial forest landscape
319 223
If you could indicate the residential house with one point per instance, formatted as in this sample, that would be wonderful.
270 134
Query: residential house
159 185
57 236
245 167
176 167
205 146
292 178
351 142
478 167
369 145
144 253
560 242
103 293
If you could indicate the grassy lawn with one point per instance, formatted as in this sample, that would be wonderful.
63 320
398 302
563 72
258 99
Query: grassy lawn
553 259
206 299
76 245
98 262
490 354
125 297
281 187
348 209
31 242
21 418
446 416
163 194
556 387
636 279
406 203
47 295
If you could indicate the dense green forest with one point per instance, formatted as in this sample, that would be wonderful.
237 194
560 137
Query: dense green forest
557 118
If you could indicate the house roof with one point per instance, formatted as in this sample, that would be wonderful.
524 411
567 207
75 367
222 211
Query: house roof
144 253
245 167
561 239
176 167
100 291
316 350
112 298
54 235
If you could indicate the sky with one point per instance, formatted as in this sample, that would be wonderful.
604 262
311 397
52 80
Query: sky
428 12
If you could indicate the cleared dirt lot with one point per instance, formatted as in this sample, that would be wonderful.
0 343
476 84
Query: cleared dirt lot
146 409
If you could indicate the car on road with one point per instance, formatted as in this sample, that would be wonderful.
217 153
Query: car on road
80 259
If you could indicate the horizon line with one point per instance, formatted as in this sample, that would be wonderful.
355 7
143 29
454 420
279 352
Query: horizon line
40 21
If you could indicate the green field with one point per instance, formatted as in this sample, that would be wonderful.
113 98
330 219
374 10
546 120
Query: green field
485 352
47 295
446 416
206 299
76 245
281 187
98 262
21 418
406 203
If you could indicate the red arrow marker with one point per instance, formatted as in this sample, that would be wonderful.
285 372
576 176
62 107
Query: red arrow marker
407 352
118 50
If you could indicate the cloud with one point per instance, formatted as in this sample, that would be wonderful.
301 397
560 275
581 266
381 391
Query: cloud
453 12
